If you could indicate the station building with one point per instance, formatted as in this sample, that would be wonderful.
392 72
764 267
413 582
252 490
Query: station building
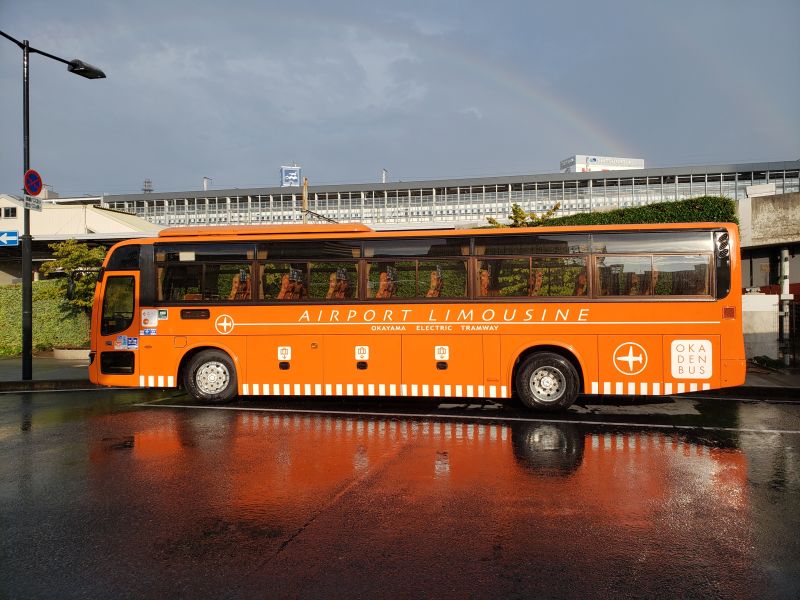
451 203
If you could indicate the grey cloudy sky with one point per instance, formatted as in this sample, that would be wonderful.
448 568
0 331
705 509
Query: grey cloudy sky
425 89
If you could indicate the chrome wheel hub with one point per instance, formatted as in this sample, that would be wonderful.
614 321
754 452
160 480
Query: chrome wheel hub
212 377
548 384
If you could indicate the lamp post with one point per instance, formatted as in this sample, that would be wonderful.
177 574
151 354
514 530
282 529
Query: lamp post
84 70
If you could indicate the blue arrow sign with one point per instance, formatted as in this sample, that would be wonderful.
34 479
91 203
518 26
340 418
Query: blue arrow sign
9 238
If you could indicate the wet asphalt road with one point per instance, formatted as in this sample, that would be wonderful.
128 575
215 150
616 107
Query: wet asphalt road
134 494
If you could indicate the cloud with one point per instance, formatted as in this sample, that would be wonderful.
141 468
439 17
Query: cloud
471 111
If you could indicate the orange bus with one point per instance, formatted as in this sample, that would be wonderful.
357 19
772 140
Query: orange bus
310 310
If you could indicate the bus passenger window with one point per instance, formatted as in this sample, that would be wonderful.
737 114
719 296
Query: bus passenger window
625 275
390 280
333 281
686 275
282 281
180 282
504 277
269 279
443 278
292 286
227 282
560 276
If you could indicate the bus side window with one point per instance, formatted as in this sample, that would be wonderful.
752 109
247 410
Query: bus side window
333 281
228 282
560 277
293 285
625 275
388 280
681 275
507 277
280 281
179 282
443 278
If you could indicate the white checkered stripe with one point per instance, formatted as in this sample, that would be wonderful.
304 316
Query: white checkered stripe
657 388
157 381
435 390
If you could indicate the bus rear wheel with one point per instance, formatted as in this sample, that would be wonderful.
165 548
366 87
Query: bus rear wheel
210 377
547 381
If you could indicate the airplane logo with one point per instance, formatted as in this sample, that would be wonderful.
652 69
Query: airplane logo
630 358
224 324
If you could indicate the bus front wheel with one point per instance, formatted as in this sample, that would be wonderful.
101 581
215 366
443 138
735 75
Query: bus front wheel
547 381
210 377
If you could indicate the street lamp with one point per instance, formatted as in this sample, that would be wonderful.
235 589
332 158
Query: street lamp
84 70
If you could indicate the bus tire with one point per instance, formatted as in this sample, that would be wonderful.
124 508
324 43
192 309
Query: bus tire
547 381
210 377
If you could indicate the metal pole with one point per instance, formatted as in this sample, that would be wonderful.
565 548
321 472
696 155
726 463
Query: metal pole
27 275
785 305
305 200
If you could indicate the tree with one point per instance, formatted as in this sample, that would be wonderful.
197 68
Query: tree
79 263
521 218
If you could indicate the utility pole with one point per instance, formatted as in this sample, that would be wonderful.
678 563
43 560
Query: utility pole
305 200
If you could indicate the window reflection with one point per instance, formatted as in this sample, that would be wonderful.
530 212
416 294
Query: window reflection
685 275
283 281
655 241
333 281
417 247
566 243
624 275
531 277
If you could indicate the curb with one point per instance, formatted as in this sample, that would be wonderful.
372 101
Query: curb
47 385
64 354
752 392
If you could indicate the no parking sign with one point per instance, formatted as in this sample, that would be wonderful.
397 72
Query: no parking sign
33 182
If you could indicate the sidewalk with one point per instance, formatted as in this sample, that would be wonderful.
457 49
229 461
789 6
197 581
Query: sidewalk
51 373
48 374
761 382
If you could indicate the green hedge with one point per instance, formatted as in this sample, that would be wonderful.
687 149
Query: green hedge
694 210
54 326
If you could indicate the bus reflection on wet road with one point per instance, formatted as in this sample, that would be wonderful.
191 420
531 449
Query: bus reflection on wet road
168 500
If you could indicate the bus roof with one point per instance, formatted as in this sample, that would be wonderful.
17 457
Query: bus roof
353 229
233 230
211 233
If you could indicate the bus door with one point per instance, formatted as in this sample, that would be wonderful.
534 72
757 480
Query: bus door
118 339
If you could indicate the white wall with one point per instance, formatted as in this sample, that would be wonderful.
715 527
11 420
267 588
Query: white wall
760 325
